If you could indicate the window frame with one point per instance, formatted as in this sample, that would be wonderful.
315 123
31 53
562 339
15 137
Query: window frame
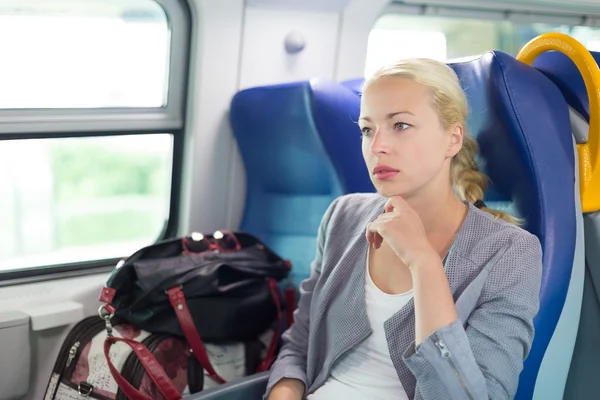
498 11
38 123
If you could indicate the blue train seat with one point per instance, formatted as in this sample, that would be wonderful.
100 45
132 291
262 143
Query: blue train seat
582 382
354 85
530 161
301 149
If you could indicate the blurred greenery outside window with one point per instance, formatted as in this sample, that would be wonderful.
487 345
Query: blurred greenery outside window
66 200
396 36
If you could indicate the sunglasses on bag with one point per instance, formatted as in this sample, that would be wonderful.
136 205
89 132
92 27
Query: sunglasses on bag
220 241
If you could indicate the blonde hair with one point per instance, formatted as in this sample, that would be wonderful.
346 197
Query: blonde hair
450 103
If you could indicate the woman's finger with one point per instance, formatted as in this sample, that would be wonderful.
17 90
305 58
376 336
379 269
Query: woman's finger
396 203
369 234
372 232
387 217
378 240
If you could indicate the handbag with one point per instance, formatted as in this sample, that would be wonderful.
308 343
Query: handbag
220 288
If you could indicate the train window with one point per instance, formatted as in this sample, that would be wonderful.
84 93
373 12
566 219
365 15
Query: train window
68 200
397 35
92 122
74 54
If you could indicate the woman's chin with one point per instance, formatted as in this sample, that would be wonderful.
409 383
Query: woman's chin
386 189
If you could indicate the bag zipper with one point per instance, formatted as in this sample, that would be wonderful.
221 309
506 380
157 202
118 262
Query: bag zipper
448 356
66 349
86 336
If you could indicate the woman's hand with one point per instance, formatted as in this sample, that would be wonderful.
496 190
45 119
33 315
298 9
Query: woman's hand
402 229
287 389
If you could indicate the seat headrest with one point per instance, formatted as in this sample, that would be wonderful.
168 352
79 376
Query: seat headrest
336 110
563 72
354 84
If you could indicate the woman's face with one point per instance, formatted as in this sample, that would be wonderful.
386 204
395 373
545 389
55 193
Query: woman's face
405 147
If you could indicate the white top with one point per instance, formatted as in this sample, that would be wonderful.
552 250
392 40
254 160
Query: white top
366 372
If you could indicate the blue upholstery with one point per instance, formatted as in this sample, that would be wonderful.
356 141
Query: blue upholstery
531 165
301 149
354 84
336 110
582 382
563 72
529 160
290 178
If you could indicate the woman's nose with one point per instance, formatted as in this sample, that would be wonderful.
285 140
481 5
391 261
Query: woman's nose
380 143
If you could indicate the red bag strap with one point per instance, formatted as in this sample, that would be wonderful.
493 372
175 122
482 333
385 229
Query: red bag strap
270 356
290 304
179 304
150 364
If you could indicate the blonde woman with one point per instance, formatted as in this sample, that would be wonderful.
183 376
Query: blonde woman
377 318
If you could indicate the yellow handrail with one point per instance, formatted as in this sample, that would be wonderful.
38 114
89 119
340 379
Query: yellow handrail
589 153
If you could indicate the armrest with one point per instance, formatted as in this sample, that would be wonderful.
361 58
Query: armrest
252 387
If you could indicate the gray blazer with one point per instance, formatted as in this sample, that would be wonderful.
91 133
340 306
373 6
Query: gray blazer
494 270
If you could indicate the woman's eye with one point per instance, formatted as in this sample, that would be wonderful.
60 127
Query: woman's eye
366 131
401 126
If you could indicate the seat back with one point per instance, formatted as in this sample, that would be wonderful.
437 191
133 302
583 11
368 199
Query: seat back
296 141
521 122
582 381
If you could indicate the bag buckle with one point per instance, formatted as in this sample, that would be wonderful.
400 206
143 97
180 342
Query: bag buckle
106 312
85 389
179 286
